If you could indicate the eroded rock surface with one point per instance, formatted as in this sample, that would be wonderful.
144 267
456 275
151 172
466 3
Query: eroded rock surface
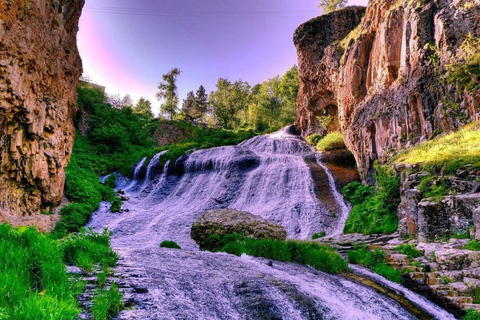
382 84
228 221
39 70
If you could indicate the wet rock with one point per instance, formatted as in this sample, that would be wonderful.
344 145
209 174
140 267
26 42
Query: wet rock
228 221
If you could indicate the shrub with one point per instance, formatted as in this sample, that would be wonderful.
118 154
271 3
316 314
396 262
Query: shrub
320 257
377 213
107 303
331 141
319 235
313 139
111 181
169 244
409 250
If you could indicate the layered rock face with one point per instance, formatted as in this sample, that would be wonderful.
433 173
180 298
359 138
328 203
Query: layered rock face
39 71
383 82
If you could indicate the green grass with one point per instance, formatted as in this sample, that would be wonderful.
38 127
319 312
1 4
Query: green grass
319 235
33 279
374 211
375 260
320 257
473 245
447 153
169 244
472 315
87 248
409 250
107 303
331 141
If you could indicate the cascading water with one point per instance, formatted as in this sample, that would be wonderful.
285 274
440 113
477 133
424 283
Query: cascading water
266 175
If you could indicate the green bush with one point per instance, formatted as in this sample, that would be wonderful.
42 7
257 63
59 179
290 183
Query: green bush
107 303
169 244
111 181
409 250
331 141
388 272
377 213
313 139
320 257
319 235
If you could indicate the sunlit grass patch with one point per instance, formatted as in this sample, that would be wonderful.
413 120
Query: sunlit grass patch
447 153
332 141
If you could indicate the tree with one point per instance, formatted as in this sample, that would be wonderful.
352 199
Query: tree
289 85
143 107
331 5
201 103
127 101
189 107
168 92
115 101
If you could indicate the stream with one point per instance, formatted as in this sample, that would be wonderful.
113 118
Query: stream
267 175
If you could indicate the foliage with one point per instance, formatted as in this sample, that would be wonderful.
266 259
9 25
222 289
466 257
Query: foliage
87 248
473 245
313 138
111 181
115 141
168 92
268 106
332 5
377 213
465 72
375 260
319 235
33 280
320 257
196 106
107 303
472 314
409 250
144 107
332 141
169 244
447 153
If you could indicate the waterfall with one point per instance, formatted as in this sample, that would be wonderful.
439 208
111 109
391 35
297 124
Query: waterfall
267 175
136 174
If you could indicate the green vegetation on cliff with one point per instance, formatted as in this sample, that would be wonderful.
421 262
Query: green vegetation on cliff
320 257
375 260
374 209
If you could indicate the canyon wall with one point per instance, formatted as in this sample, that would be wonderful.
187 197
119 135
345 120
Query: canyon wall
39 71
378 74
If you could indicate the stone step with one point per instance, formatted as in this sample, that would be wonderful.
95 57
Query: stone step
467 306
461 300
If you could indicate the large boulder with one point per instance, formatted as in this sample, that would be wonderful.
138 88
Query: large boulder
227 221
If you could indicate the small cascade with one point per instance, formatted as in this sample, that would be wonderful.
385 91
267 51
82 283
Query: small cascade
136 174
345 209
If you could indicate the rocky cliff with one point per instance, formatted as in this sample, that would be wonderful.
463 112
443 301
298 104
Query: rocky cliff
39 70
385 75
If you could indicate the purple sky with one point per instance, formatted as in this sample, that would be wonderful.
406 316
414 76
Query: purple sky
126 45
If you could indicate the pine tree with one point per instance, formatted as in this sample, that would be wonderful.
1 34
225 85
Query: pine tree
144 107
189 107
201 104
